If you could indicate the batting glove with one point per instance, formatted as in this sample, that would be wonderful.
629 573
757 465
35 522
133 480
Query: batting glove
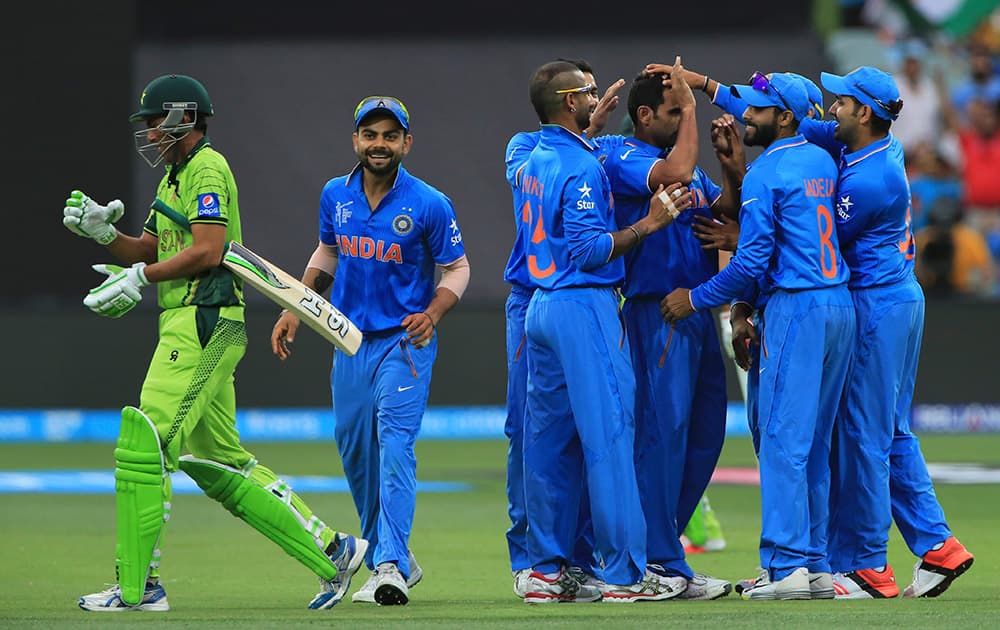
85 217
120 292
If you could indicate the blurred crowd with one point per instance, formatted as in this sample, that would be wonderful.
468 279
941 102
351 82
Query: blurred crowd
949 81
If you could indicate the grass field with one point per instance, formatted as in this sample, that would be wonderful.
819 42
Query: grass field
218 571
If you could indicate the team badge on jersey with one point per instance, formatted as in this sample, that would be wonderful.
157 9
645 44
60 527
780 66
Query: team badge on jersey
402 224
208 205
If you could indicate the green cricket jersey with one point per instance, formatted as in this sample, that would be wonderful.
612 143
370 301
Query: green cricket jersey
201 190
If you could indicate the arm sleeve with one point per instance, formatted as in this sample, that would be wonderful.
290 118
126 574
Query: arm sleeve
584 199
324 258
455 277
753 252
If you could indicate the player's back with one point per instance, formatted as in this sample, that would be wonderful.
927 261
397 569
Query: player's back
568 207
799 179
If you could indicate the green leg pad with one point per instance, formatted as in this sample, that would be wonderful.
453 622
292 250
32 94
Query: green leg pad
695 530
139 500
255 495
713 528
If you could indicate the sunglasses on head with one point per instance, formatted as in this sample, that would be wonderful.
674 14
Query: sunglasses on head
877 101
760 82
583 89
383 102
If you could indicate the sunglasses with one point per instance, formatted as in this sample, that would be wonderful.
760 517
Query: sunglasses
877 101
760 82
382 101
583 89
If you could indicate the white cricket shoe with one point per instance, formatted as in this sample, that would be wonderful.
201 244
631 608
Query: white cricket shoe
366 594
821 585
561 588
795 585
521 582
154 598
390 587
587 579
652 588
704 587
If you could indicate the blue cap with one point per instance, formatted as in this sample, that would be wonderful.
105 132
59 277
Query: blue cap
870 86
780 90
814 93
385 103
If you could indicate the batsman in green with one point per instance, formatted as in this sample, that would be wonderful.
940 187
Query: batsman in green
188 402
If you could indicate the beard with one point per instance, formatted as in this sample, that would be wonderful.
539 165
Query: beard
759 135
388 167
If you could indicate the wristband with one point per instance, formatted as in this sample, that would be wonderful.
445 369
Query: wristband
433 325
704 88
636 232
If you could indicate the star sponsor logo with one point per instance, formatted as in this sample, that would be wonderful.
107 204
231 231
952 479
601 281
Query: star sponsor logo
456 234
582 203
844 206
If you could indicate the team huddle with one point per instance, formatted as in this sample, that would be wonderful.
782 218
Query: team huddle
619 235
615 372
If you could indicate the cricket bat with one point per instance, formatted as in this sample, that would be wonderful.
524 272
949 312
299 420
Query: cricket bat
284 289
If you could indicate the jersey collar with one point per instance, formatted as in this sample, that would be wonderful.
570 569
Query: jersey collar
175 169
850 159
560 133
354 178
786 143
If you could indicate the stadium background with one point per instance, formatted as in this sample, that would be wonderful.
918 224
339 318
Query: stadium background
284 84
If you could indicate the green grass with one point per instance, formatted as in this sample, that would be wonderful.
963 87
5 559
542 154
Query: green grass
219 571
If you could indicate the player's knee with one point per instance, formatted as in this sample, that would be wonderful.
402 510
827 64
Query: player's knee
138 457
226 484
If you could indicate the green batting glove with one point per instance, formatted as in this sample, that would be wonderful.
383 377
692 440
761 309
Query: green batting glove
85 217
120 292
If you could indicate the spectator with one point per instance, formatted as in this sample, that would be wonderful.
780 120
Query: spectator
951 257
932 177
980 144
922 123
983 82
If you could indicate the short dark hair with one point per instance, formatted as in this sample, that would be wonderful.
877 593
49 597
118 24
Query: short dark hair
646 89
582 64
544 85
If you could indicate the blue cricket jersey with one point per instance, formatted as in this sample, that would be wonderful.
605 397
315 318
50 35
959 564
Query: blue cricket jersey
728 102
567 214
787 230
671 257
518 149
873 207
386 255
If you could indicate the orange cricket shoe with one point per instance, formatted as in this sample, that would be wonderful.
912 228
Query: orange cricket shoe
865 584
934 573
